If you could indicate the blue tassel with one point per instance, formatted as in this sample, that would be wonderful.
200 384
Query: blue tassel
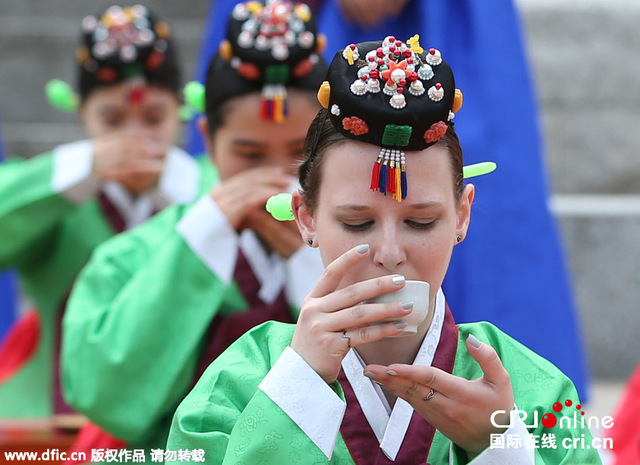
403 181
383 179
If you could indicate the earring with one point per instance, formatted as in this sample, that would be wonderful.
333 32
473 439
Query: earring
310 242
458 238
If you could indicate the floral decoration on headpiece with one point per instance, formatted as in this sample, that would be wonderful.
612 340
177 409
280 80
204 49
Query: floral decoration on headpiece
273 42
123 43
393 94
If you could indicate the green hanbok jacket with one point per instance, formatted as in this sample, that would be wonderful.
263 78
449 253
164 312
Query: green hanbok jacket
137 320
51 219
260 403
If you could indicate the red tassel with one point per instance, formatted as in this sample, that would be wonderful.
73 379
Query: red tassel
263 109
375 173
391 179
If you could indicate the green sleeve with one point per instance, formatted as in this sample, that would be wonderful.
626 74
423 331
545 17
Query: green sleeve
133 328
233 421
30 210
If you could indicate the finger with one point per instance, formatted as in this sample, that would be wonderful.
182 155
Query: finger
357 293
364 314
369 334
487 358
278 236
145 165
153 149
337 270
258 177
247 200
404 380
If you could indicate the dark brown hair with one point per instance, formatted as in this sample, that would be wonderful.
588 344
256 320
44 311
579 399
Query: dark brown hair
322 135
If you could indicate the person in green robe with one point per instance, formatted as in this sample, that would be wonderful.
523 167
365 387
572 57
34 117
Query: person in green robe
155 305
57 207
352 381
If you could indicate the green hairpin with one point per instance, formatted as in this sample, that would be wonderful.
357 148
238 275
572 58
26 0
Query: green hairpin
61 96
478 169
194 95
280 207
194 101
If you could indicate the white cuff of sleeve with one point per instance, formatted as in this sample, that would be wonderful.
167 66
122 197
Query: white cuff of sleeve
302 271
72 171
513 447
305 397
210 236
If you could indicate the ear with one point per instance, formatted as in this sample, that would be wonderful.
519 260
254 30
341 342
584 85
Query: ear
304 220
464 210
203 129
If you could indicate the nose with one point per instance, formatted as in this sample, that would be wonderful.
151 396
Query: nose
389 251
133 124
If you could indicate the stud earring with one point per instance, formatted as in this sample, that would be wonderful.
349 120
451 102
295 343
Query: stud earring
458 238
310 242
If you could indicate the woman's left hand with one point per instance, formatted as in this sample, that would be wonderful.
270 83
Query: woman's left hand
459 408
281 236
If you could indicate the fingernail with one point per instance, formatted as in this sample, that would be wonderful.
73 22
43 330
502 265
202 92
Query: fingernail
362 248
370 375
398 280
400 324
392 373
474 341
407 305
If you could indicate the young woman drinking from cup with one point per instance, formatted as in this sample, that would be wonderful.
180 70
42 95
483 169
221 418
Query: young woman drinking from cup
340 386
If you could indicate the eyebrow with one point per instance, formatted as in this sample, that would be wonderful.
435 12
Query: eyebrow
415 206
253 143
157 106
114 108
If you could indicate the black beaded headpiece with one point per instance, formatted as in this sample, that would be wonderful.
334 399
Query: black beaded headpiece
392 94
126 44
273 44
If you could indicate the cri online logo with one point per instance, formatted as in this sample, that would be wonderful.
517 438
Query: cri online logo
550 420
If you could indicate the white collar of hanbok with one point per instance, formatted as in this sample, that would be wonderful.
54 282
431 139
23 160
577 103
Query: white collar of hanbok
390 425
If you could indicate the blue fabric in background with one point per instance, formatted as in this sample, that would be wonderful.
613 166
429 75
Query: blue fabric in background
510 269
7 286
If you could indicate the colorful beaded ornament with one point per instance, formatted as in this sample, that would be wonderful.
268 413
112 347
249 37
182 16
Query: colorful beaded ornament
393 94
274 42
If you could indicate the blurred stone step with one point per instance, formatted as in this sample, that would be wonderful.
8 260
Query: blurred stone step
600 236
35 50
75 9
584 58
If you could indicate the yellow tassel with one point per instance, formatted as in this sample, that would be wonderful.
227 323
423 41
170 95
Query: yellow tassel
278 114
398 193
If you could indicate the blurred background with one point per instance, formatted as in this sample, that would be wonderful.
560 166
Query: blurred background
583 56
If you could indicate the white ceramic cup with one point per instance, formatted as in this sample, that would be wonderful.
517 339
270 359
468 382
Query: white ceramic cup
413 291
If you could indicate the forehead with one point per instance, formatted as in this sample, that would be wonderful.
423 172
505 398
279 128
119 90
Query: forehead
241 118
347 167
116 97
